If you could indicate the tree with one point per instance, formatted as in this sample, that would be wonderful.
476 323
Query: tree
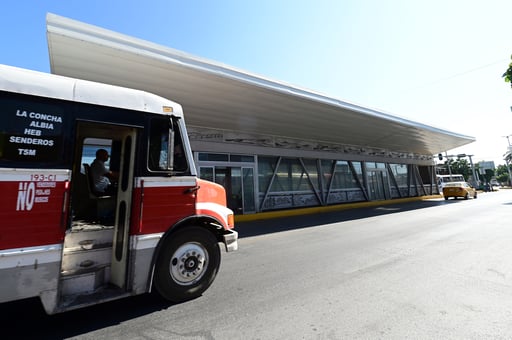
502 174
460 166
508 74
489 174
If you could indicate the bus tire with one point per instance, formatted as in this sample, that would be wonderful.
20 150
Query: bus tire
187 264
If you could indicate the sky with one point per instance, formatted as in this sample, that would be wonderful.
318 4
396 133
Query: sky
437 62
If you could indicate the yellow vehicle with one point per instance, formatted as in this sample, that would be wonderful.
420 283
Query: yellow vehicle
459 189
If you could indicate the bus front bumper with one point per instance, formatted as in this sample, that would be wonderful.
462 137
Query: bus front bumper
231 240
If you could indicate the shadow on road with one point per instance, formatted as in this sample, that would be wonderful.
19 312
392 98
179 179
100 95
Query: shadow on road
26 319
261 227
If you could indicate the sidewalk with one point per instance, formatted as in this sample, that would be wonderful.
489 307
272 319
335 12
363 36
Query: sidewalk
330 208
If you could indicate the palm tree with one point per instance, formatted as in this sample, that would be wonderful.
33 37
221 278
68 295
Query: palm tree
508 74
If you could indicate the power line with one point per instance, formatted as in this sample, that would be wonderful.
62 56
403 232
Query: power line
460 74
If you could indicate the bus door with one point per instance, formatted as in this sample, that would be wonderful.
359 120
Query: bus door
108 215
123 209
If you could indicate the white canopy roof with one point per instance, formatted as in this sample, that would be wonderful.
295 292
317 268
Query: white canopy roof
214 95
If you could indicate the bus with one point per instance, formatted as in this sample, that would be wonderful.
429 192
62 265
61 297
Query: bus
161 227
443 179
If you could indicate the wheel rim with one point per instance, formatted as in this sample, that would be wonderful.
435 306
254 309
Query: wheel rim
188 264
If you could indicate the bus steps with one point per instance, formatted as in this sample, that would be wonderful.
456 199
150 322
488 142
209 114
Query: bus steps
76 259
86 261
84 281
104 293
83 232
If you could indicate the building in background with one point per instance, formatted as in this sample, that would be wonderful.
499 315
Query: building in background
270 144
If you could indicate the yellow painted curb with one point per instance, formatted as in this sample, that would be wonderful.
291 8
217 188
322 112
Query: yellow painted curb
330 208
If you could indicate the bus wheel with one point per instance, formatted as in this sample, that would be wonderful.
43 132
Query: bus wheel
187 264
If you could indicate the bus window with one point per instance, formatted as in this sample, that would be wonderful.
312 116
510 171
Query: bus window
158 145
91 145
159 158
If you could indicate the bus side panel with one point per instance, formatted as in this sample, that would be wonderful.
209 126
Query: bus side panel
31 207
143 251
31 231
158 204
27 272
164 203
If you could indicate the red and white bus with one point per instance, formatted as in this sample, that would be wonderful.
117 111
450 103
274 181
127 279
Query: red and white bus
62 241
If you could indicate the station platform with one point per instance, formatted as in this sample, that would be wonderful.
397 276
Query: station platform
324 209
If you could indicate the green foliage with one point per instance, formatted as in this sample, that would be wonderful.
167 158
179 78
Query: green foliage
508 74
489 174
460 166
502 174
503 178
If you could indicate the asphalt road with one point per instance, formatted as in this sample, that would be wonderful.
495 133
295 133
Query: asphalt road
428 270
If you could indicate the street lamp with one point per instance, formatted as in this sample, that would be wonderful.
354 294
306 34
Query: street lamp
507 137
448 163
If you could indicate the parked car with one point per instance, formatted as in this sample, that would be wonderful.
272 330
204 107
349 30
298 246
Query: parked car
459 189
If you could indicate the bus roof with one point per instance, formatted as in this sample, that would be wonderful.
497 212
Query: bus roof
18 80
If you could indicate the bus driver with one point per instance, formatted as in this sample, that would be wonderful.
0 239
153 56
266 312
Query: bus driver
102 178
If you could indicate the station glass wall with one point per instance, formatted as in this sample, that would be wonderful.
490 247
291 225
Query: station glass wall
264 183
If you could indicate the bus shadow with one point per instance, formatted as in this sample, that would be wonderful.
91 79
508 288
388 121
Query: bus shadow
26 319
275 225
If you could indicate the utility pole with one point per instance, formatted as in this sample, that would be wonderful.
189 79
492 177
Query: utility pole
509 151
448 163
476 180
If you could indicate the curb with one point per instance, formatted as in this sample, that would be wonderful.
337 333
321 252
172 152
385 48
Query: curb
330 208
